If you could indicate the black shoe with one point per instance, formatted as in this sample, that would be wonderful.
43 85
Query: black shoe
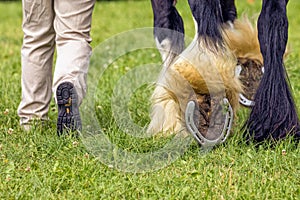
68 119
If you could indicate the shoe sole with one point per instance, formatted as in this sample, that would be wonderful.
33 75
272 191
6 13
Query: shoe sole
68 110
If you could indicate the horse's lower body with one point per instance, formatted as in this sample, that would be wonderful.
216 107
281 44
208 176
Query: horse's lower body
199 82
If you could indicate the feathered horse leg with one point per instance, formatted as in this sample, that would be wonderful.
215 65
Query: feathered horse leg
209 66
274 114
242 40
169 37
206 67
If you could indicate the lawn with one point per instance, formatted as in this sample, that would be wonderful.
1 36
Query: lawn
115 160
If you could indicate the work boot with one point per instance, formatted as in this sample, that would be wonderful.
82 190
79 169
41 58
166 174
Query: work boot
68 119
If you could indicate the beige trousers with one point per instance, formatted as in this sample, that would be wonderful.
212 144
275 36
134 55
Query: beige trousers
66 25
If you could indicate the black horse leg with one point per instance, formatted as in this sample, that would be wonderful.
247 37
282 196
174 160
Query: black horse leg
208 18
168 29
228 10
274 114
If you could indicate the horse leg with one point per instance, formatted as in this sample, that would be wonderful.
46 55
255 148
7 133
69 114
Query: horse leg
168 29
229 13
274 115
210 72
241 37
169 37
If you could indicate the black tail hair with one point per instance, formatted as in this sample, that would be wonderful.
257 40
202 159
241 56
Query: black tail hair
274 115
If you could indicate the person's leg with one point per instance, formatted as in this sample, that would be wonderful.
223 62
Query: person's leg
72 25
37 58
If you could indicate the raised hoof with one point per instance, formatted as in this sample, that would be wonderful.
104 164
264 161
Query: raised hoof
209 120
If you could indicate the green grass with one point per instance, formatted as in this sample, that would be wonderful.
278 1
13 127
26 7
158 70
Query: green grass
39 165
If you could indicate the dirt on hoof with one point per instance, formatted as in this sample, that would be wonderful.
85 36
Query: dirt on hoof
250 77
209 115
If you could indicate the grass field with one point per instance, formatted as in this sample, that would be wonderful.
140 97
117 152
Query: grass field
39 165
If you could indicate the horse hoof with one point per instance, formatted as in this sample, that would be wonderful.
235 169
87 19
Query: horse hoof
209 120
250 73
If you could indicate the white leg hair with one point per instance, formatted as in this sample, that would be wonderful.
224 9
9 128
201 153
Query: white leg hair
169 100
